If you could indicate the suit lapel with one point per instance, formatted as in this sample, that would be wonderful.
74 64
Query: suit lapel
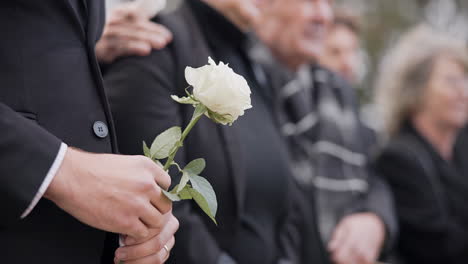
76 17
96 19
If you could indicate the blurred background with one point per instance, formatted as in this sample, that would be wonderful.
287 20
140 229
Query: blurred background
383 21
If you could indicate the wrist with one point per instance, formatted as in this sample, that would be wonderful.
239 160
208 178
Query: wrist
58 188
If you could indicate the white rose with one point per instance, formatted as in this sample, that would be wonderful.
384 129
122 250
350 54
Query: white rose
220 89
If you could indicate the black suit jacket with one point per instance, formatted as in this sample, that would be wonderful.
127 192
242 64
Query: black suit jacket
139 90
51 92
431 196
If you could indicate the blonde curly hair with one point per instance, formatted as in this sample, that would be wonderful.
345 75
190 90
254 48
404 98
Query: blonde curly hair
407 68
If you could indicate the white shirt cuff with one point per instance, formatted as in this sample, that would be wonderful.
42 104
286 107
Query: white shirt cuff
48 179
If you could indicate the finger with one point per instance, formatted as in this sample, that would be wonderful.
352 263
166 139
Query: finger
146 30
159 35
169 221
157 258
154 34
346 251
339 235
366 252
137 229
363 256
156 28
343 255
150 247
152 217
132 47
160 201
129 31
161 177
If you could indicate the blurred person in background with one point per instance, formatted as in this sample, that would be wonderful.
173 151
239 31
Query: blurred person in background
331 147
423 89
260 217
129 30
342 50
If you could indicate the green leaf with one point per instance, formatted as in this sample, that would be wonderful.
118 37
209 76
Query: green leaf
203 203
183 181
184 100
171 196
195 167
165 143
200 110
185 193
204 188
146 150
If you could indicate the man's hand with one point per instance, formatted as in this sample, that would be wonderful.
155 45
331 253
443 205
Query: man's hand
153 250
115 193
129 31
358 239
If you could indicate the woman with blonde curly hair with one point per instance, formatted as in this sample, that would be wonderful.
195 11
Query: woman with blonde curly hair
423 92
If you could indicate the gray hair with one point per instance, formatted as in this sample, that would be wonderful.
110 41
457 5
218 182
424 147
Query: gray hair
407 68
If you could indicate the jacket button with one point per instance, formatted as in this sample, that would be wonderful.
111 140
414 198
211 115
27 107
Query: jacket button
100 129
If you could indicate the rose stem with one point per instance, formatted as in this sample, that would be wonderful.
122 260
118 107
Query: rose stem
180 143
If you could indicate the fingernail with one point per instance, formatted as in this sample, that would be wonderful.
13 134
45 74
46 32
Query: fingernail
121 255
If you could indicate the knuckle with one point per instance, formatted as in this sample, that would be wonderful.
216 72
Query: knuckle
145 186
157 245
142 160
176 223
140 231
158 224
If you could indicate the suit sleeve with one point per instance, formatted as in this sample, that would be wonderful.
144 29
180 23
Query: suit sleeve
139 91
27 153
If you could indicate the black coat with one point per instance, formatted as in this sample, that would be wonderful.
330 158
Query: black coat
139 90
431 196
461 150
51 92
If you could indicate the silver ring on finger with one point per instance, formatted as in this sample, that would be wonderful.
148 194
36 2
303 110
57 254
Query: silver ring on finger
168 252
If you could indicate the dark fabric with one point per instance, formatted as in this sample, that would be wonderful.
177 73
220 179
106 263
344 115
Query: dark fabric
431 196
51 93
461 150
139 89
267 180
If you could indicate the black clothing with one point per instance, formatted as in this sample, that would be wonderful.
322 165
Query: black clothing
51 92
139 90
431 196
267 173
